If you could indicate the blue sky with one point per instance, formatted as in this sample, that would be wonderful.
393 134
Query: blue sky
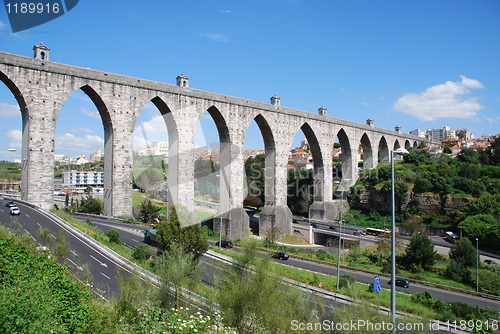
414 63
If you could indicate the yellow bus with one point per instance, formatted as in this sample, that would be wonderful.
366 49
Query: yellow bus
376 231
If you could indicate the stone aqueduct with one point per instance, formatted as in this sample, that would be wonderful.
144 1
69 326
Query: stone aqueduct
41 88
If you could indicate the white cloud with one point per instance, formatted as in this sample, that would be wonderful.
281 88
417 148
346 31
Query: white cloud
93 114
2 25
442 101
9 110
70 142
145 133
16 138
365 104
79 129
216 37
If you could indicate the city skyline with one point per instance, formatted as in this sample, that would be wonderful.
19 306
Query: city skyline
417 64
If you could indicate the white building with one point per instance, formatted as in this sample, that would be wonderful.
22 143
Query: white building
83 179
158 148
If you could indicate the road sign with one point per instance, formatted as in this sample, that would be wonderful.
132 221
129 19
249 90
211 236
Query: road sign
376 284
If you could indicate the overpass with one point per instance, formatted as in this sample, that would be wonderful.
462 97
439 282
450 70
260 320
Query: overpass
41 87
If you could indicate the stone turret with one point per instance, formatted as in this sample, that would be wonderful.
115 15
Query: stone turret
183 81
41 52
370 122
276 100
322 111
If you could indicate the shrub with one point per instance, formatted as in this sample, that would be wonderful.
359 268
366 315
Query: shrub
346 280
114 236
140 253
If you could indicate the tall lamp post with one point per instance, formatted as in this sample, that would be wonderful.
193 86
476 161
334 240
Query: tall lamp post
477 265
399 151
338 254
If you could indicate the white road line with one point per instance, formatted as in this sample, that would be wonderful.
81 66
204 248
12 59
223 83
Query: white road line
74 253
39 224
101 263
105 276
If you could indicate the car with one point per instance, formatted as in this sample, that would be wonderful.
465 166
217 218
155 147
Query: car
490 262
281 255
314 225
15 210
402 282
358 232
10 204
225 244
333 228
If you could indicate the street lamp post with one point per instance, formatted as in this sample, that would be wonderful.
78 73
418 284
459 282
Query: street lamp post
400 151
338 254
477 265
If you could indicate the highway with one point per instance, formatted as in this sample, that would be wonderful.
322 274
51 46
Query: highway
132 235
103 269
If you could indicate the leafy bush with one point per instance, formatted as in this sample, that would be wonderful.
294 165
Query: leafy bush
346 280
140 253
114 236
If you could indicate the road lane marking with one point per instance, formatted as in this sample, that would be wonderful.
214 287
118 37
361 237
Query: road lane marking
101 263
105 276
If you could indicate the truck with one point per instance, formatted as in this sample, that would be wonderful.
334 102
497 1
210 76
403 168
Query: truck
150 237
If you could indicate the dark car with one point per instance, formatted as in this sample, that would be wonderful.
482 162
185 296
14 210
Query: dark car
225 244
10 204
314 225
490 262
402 282
281 256
333 228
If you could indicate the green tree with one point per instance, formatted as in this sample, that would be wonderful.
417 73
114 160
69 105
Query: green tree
486 204
420 253
141 253
468 155
484 227
149 212
176 268
462 259
91 205
464 253
191 237
254 298
114 236
418 157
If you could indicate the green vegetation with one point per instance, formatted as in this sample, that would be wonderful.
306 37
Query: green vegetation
10 171
179 229
148 213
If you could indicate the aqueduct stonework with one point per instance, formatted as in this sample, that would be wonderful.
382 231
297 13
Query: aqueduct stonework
41 88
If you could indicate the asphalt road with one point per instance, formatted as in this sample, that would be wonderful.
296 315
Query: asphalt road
132 235
103 269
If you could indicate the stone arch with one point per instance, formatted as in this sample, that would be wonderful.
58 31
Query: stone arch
396 145
270 158
383 150
317 160
407 144
368 161
108 130
347 164
14 89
